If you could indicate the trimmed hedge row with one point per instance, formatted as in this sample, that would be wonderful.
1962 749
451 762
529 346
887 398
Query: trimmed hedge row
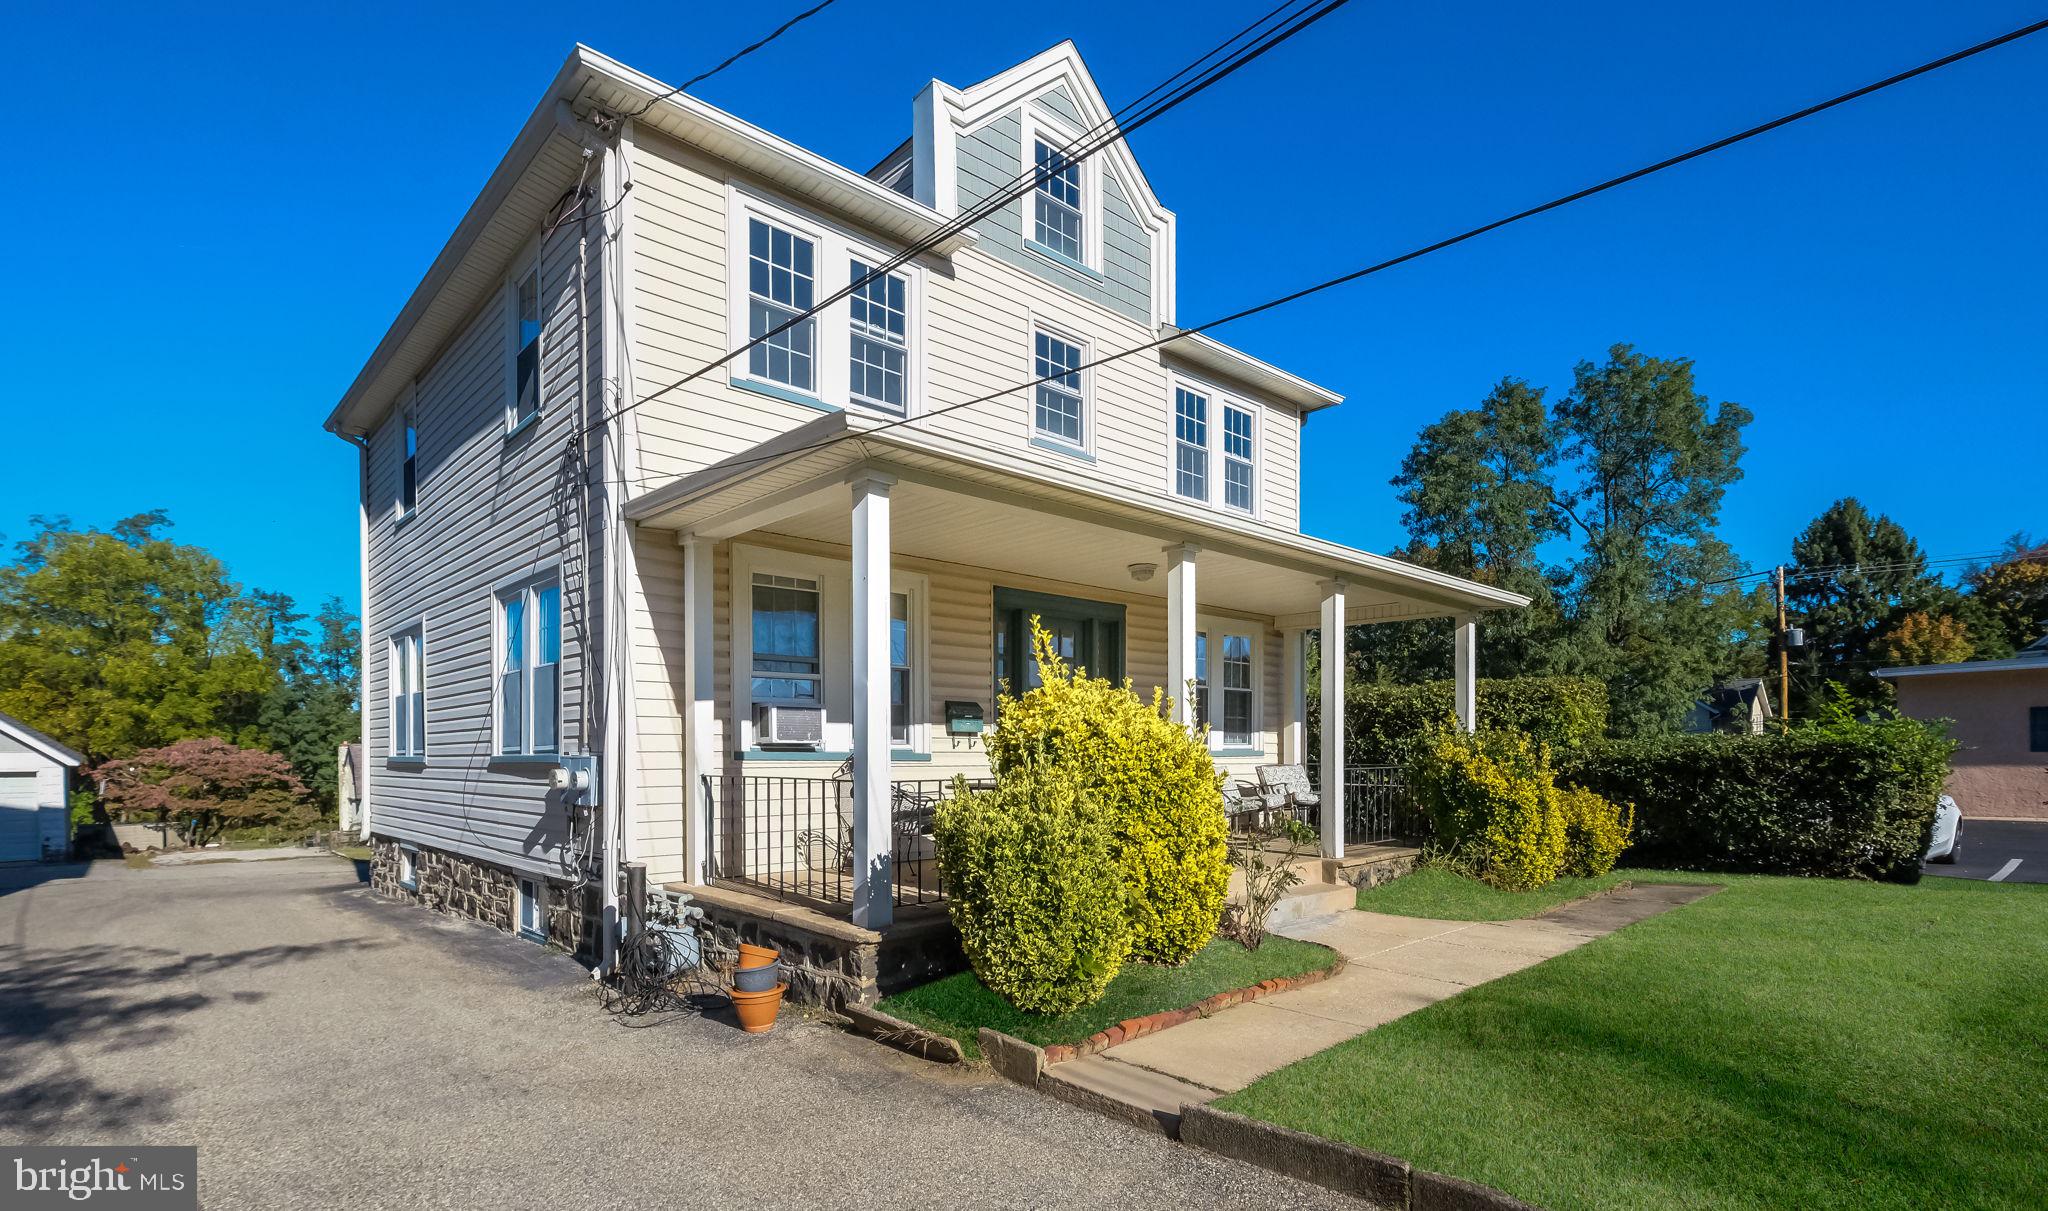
1384 724
1841 802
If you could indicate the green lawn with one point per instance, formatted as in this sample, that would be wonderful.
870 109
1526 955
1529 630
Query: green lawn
1787 1042
959 1005
1432 891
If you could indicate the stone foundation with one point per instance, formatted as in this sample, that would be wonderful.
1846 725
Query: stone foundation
830 961
478 891
1372 866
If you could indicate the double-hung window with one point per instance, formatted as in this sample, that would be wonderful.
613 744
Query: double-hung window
899 669
1060 414
526 329
1056 202
1237 458
781 285
408 677
409 472
1215 441
529 685
878 338
788 667
1223 686
1190 444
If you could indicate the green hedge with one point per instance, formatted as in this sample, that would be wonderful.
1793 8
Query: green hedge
1385 722
1854 801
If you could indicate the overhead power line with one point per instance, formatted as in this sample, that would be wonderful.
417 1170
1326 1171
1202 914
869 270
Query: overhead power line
734 57
1411 255
1285 21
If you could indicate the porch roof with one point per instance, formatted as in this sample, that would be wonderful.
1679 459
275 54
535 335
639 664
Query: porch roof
960 504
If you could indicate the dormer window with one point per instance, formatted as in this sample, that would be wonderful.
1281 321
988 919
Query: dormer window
1056 202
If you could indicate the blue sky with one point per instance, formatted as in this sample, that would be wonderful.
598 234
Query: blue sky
228 204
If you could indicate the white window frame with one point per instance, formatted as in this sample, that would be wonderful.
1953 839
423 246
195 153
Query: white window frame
835 248
408 867
1215 496
1212 629
528 269
834 578
394 669
527 590
530 892
408 463
1040 126
1066 334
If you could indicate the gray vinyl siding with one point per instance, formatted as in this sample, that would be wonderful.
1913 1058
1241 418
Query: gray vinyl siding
1058 102
489 510
992 157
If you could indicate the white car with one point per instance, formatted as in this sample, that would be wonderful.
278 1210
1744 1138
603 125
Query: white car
1948 831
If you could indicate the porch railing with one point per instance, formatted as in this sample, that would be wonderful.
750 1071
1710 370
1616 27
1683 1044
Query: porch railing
792 838
1378 808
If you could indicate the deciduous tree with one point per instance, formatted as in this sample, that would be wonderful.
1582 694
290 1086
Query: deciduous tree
206 786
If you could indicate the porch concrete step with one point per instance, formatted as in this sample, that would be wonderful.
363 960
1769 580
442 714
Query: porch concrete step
1311 900
1140 1096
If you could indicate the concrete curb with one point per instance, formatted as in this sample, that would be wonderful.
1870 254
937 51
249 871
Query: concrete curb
1013 1058
1386 1181
895 1032
1166 1019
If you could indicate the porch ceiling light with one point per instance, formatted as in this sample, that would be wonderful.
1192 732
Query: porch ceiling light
1142 572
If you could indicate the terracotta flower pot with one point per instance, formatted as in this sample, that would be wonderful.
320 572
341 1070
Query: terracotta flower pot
757 1010
757 956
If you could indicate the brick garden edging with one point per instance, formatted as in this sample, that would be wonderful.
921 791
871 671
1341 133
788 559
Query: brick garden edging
1152 1023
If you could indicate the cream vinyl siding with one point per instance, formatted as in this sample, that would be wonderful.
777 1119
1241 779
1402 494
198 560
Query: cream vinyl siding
489 510
960 647
978 317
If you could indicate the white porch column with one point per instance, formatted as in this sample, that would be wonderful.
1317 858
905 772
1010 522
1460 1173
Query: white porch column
700 757
1465 673
872 850
1294 698
1181 630
1333 718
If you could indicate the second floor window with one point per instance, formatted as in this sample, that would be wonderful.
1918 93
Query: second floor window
781 285
409 472
1237 458
1060 409
408 696
530 669
1056 202
526 329
879 338
1190 444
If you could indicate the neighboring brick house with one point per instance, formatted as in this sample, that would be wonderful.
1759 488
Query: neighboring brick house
1999 711
765 609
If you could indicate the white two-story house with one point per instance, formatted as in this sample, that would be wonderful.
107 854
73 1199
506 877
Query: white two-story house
738 621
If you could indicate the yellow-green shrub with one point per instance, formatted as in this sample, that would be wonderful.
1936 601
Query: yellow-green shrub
1493 804
1156 782
1033 888
1595 831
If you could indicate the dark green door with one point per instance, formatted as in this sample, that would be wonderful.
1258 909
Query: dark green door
1089 634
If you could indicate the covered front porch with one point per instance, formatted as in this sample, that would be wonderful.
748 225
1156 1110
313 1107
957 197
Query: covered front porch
854 595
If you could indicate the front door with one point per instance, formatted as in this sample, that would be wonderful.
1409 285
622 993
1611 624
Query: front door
1088 634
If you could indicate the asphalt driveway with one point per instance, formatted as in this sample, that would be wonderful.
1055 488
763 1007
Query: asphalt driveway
2010 851
326 1048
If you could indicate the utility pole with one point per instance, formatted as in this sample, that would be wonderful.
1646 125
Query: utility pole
1784 660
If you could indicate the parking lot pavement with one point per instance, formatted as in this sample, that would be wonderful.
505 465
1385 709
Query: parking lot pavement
325 1047
2010 851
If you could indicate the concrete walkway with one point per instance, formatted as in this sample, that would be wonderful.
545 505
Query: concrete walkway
1397 965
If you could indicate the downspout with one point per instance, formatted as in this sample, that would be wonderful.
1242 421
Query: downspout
621 465
362 445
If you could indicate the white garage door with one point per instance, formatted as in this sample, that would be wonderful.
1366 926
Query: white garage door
19 840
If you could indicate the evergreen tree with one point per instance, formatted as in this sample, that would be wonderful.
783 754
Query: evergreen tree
1853 577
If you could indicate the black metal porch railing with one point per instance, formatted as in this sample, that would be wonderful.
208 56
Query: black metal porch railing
792 838
1378 807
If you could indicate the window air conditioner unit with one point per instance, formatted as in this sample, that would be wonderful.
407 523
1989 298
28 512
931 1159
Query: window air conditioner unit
790 726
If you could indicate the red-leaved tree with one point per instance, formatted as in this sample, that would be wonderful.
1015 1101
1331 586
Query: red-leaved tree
205 786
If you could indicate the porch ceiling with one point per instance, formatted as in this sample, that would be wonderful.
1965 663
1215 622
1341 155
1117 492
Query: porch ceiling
962 506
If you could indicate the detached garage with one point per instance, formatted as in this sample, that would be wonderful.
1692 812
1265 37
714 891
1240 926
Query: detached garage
35 793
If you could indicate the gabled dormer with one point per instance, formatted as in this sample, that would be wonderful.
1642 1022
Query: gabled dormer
1092 227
